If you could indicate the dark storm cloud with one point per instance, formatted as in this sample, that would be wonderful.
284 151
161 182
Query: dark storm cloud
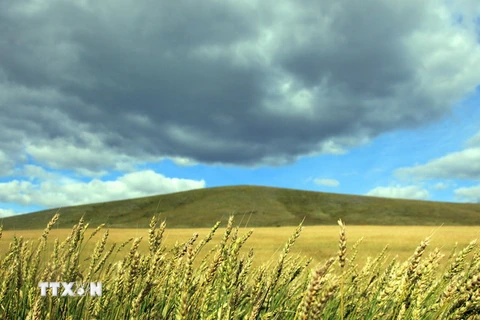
224 82
363 51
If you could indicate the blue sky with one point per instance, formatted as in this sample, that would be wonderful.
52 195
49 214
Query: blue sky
114 100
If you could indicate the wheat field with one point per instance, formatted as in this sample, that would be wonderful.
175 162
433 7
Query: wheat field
343 272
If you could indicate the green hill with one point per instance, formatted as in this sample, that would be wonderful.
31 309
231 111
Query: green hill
261 206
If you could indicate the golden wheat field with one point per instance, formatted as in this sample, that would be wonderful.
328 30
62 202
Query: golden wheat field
317 242
343 272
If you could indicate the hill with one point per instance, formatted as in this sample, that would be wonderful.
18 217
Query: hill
261 206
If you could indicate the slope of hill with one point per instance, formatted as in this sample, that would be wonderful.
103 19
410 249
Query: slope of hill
260 206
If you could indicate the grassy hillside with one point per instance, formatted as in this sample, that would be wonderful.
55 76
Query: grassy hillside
261 206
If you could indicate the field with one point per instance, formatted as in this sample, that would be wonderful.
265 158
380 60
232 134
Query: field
318 272
317 242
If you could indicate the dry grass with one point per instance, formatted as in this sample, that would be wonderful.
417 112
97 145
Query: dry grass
213 273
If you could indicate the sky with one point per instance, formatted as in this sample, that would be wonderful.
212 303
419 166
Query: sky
115 99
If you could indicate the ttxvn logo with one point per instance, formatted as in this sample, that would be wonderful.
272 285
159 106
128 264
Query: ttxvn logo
71 289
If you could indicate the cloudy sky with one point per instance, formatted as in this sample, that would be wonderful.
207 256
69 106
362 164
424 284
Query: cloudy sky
114 99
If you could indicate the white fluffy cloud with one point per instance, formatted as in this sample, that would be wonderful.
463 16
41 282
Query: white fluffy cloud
326 182
463 164
406 192
93 160
474 141
65 192
183 162
440 186
6 213
468 194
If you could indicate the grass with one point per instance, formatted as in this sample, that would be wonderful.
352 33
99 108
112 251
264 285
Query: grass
160 274
260 206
